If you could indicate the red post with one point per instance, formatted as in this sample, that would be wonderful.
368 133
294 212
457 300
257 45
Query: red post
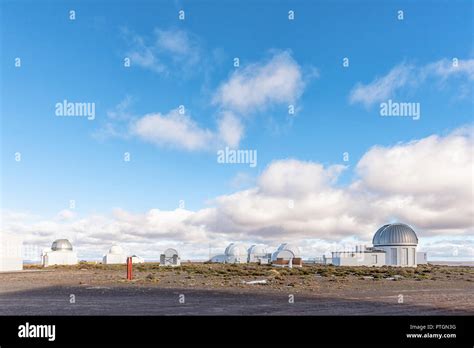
129 268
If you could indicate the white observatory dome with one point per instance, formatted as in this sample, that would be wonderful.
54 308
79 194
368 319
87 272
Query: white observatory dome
236 250
294 249
283 254
257 250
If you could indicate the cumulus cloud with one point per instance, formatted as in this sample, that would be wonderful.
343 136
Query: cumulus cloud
408 75
426 183
293 177
172 129
433 165
255 87
181 131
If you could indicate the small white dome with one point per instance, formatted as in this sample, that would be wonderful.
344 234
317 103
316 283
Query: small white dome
257 250
115 249
294 249
236 250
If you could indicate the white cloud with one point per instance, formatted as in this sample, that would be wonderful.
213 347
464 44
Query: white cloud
382 87
433 165
445 69
165 52
66 214
230 129
145 58
182 132
175 41
117 121
403 75
172 129
426 183
255 87
294 178
121 111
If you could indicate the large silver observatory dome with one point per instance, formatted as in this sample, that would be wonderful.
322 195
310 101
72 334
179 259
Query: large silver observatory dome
61 244
395 234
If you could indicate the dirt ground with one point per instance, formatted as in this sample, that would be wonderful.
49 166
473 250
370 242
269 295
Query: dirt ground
217 289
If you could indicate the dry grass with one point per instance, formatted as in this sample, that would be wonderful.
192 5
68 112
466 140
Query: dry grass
230 271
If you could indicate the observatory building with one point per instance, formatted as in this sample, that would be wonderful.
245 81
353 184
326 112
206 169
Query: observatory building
236 253
287 255
393 245
10 253
115 255
61 253
258 254
170 258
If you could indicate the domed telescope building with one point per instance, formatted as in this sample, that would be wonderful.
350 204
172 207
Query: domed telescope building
399 242
258 254
115 255
393 245
236 253
287 255
61 253
170 258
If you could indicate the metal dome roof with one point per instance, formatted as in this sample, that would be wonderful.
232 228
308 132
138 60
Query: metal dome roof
61 244
395 234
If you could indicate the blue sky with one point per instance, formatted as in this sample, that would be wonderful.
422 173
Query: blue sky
82 61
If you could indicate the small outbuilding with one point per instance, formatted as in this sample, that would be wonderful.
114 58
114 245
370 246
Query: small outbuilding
361 256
